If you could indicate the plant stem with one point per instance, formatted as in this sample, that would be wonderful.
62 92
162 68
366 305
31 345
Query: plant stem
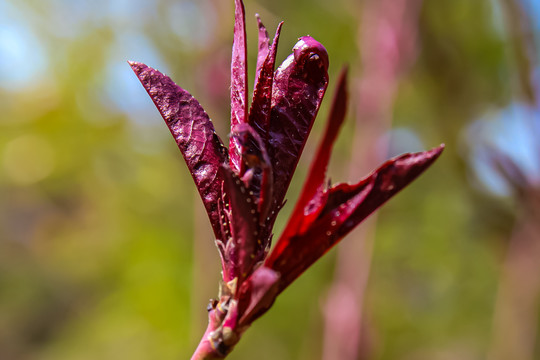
205 350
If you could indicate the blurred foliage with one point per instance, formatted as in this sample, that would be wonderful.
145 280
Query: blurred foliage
96 206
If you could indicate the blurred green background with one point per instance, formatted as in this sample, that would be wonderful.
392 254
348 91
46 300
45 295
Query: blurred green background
104 250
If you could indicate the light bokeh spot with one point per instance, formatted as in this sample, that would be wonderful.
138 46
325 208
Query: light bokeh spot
28 159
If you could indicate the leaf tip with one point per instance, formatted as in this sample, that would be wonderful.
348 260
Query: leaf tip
137 67
436 151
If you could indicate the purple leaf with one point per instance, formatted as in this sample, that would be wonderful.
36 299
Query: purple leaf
313 185
259 114
264 46
194 133
239 106
244 227
258 175
298 89
257 294
345 207
259 119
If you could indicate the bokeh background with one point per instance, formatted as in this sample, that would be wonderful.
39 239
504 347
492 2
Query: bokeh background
105 252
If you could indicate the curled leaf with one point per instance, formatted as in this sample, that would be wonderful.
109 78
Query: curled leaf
299 86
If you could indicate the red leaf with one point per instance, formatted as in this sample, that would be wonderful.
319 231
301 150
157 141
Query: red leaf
299 86
257 294
264 42
314 184
239 109
244 227
346 206
259 114
194 134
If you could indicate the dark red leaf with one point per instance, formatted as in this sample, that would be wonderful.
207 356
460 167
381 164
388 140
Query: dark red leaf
239 106
259 118
258 175
312 191
264 46
298 89
259 114
244 227
194 134
257 294
346 206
